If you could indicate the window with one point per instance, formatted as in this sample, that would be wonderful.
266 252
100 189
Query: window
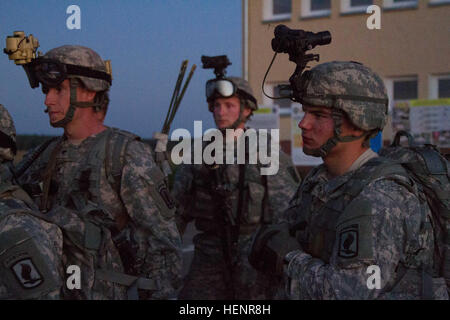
316 8
405 90
439 87
398 4
276 10
355 6
401 89
438 2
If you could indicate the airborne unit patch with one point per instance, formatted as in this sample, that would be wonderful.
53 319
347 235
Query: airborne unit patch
348 242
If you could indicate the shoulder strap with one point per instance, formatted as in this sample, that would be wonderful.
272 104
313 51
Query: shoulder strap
114 159
48 175
384 169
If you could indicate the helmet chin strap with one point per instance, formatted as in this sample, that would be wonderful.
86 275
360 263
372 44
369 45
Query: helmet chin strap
325 149
73 104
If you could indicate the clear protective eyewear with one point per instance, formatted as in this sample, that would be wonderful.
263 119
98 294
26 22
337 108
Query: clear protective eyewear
225 88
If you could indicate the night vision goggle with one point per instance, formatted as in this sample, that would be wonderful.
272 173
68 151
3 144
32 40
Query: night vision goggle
52 73
225 88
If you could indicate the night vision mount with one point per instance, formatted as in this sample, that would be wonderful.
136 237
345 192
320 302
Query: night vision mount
218 63
296 43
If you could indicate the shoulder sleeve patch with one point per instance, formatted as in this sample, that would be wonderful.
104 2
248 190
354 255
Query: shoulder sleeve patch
354 235
23 266
160 192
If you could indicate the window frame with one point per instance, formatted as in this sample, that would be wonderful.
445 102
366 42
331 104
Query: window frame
433 85
391 5
346 8
307 13
389 83
268 16
438 2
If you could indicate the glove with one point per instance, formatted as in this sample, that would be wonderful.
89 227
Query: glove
270 246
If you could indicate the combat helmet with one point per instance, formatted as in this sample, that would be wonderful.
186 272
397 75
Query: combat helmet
84 57
74 63
346 87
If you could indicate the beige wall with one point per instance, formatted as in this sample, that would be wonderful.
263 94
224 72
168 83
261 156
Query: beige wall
411 42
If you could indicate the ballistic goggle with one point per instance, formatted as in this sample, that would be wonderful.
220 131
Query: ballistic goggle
52 73
226 89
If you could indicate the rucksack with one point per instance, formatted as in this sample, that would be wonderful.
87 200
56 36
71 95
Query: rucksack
431 172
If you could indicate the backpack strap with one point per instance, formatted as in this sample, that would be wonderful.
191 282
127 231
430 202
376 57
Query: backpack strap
48 173
114 159
384 169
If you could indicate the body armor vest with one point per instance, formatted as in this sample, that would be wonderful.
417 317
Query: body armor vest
104 159
208 202
316 230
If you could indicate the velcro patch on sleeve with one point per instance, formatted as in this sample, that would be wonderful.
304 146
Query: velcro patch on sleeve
354 235
25 270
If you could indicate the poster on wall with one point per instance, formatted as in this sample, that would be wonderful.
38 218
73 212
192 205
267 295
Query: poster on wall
299 158
265 118
427 120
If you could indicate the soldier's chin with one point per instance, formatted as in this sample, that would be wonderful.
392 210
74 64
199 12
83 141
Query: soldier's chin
55 124
311 152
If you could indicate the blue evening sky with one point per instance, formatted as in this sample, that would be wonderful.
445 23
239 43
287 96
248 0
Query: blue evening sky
146 42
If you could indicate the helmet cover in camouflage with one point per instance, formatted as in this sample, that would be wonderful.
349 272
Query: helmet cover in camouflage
244 86
81 56
7 123
344 86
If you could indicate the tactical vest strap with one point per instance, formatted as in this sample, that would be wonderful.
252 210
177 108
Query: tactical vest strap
114 159
384 169
48 175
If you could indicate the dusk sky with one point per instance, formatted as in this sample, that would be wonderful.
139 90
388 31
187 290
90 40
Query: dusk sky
146 42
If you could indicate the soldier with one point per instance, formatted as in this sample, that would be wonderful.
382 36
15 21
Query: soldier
30 248
106 175
358 216
228 203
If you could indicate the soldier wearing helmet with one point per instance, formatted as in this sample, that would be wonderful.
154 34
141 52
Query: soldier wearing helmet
227 203
30 248
356 227
105 174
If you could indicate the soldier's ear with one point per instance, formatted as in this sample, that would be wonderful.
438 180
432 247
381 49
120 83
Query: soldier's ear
246 112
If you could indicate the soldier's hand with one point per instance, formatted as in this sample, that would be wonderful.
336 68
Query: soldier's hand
270 246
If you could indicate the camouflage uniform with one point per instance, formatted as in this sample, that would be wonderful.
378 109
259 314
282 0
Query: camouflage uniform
212 275
118 192
385 225
371 215
30 248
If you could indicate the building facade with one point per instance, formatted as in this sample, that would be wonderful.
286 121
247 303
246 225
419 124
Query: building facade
410 51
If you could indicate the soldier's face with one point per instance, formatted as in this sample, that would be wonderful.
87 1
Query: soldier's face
226 112
57 101
317 126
